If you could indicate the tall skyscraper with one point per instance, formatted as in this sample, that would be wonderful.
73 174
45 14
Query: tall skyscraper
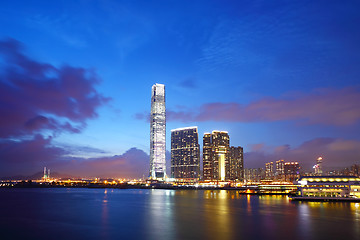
185 153
207 157
236 161
157 132
220 161
220 148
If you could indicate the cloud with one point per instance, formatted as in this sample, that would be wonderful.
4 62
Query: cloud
30 156
335 152
134 163
27 156
322 106
37 102
36 96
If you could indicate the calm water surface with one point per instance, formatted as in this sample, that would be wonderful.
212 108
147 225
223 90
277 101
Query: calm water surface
169 214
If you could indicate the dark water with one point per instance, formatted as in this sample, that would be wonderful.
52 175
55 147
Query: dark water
169 214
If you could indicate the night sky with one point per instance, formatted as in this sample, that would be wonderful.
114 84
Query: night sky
282 77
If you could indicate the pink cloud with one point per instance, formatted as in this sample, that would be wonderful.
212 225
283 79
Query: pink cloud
322 106
335 153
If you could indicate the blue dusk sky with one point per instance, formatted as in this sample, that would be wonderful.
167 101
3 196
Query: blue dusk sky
282 77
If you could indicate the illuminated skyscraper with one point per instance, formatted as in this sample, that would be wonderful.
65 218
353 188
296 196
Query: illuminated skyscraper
207 157
157 132
216 156
280 171
236 161
269 170
185 153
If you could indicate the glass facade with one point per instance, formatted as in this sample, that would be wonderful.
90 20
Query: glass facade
185 153
157 132
207 157
236 157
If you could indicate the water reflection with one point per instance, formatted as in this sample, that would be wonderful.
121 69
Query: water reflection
170 214
217 214
161 224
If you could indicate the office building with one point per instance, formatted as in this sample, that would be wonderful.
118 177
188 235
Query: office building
185 154
280 170
236 161
292 171
269 170
220 161
157 132
207 157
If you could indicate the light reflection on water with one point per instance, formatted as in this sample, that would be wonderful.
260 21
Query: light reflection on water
170 214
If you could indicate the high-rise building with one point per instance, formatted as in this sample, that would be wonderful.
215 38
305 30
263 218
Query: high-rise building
318 166
220 161
292 171
207 157
220 148
157 132
269 170
236 161
280 171
185 153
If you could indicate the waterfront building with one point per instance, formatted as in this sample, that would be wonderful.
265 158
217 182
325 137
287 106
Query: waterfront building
157 132
292 171
280 170
185 154
269 170
220 161
254 174
215 156
236 161
207 157
220 148
329 187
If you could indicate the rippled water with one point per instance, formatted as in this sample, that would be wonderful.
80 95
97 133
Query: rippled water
169 214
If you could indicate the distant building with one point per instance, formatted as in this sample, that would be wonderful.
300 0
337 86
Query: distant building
318 166
280 170
292 171
157 132
236 161
220 161
254 174
269 170
185 153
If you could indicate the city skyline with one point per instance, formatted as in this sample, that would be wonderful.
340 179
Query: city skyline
281 78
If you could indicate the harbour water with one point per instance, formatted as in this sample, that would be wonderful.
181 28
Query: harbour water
79 213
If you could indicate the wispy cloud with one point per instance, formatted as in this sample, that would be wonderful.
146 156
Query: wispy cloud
322 106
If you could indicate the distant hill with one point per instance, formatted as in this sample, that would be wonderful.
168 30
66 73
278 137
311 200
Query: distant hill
37 176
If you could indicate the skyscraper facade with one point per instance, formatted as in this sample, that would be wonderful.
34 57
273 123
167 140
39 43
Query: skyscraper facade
185 153
157 132
220 161
292 171
269 170
280 170
236 161
220 148
207 157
